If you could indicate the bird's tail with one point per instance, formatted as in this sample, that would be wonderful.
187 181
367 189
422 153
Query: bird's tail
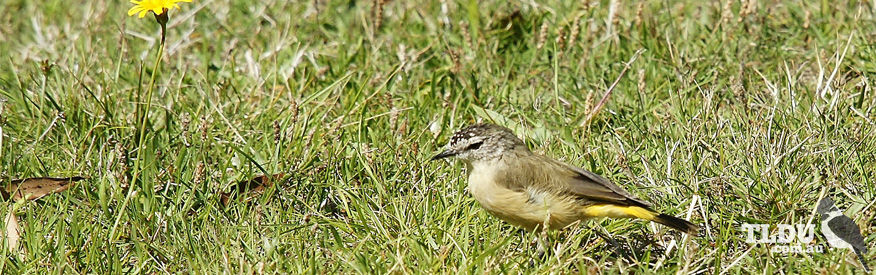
617 211
677 224
861 258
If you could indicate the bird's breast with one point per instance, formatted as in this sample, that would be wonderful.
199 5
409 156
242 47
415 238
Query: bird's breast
832 238
526 207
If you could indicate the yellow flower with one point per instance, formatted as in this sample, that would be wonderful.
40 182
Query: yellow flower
156 6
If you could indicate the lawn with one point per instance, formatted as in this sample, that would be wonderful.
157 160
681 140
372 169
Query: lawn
731 113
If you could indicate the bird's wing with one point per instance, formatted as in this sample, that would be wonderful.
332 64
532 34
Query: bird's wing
538 171
846 229
587 185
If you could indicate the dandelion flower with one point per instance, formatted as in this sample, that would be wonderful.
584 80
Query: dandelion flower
156 6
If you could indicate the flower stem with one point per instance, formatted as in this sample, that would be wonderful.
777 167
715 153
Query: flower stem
142 130
141 134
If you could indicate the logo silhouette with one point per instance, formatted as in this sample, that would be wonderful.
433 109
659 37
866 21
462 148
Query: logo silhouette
840 230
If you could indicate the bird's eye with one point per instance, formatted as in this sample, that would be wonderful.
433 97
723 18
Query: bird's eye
475 146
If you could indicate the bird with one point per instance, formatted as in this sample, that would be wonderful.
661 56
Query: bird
536 192
840 230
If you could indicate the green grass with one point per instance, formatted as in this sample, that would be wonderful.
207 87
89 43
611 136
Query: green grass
729 116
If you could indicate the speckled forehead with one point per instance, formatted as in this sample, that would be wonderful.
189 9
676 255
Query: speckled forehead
463 134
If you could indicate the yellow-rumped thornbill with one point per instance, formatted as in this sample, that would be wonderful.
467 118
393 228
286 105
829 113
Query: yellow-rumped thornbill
534 191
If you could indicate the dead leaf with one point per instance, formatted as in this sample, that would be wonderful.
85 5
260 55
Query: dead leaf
12 231
35 188
252 188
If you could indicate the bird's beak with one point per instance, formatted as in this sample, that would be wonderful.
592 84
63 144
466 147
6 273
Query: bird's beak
446 153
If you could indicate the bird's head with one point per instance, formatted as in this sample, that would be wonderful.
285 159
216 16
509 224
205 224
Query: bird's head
824 206
481 142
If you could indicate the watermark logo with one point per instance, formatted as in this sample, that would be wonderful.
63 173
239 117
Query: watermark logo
788 238
839 230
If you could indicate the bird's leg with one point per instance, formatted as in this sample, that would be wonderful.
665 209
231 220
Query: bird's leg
538 240
542 236
617 247
541 244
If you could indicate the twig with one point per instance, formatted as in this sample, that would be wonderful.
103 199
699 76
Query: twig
604 99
